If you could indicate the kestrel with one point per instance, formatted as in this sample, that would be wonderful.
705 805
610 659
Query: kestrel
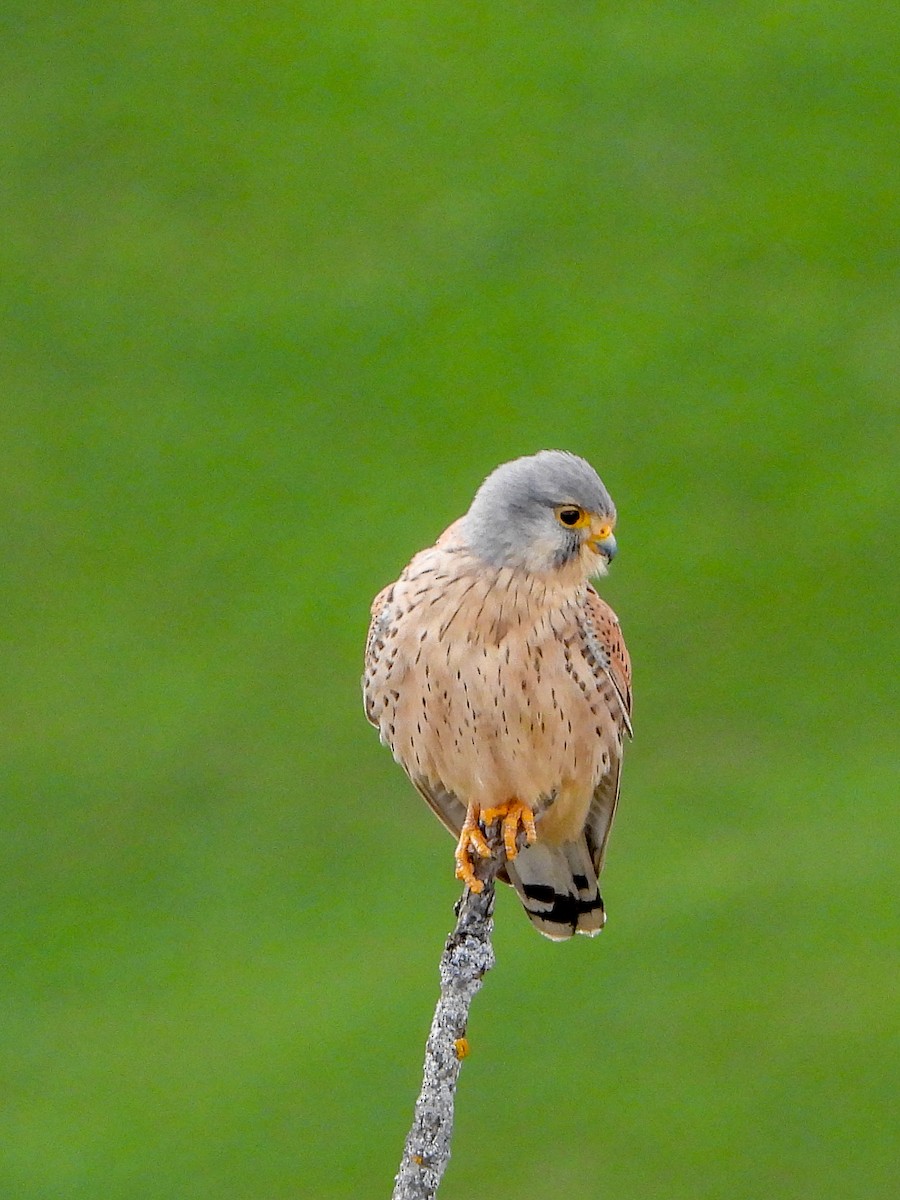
501 682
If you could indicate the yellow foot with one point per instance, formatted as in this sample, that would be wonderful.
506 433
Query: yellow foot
515 816
470 838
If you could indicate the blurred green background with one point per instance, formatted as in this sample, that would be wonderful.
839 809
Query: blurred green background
279 287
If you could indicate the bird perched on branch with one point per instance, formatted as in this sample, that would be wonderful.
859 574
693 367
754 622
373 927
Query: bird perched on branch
501 682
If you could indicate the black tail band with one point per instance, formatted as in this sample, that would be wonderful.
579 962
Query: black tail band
560 910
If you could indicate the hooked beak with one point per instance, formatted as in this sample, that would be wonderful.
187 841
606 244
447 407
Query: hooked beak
601 539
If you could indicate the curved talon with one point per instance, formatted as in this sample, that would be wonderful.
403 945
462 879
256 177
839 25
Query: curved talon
470 838
515 816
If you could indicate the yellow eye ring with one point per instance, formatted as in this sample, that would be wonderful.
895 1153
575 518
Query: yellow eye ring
572 517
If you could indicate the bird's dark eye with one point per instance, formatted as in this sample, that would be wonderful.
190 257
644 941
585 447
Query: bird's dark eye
570 516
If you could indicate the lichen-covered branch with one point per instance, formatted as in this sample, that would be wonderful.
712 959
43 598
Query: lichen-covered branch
468 956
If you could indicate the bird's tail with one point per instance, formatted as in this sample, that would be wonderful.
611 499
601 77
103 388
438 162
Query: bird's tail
558 887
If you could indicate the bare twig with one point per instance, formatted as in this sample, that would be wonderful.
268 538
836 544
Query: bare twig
468 956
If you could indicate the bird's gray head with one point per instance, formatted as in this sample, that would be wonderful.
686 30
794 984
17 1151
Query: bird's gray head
541 514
